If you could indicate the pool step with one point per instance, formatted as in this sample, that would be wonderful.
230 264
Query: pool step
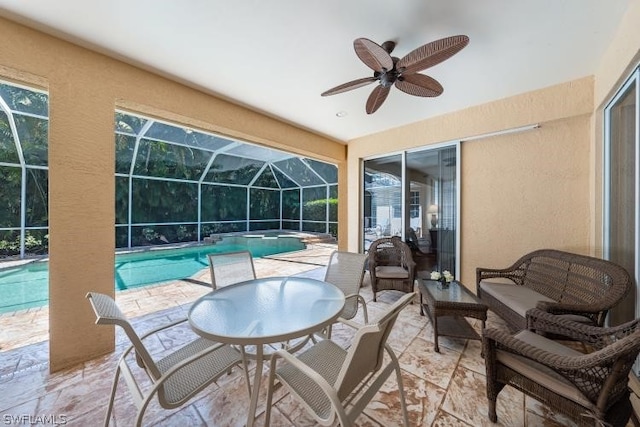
304 237
318 238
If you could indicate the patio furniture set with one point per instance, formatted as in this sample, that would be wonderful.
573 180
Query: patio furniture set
546 298
286 320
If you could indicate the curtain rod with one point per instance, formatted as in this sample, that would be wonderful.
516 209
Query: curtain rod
501 132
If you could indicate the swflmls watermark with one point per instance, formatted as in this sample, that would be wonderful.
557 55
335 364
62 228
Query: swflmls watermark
34 420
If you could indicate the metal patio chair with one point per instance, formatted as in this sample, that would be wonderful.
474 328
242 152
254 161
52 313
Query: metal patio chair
176 377
235 267
231 267
346 271
332 382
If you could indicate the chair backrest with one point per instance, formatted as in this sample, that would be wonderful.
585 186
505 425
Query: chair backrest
390 251
572 278
231 267
108 313
346 270
366 353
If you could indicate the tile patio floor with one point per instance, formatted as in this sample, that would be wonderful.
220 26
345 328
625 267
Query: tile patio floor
443 389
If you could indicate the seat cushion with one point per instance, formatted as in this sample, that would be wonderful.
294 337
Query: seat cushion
518 298
541 374
391 272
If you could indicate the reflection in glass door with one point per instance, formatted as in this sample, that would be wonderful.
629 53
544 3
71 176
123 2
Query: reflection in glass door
433 214
415 195
382 198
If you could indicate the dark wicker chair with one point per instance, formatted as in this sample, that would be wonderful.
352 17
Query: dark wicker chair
580 286
391 265
425 258
592 388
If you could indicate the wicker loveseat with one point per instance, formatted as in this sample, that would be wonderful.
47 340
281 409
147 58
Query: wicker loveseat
558 282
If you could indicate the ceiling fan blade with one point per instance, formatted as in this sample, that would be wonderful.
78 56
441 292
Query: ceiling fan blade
377 97
354 84
419 85
431 54
373 55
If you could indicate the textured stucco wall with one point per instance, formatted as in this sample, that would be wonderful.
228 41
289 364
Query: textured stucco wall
84 88
525 192
621 56
520 191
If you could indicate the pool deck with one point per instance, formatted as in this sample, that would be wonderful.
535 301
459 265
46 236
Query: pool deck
443 389
30 326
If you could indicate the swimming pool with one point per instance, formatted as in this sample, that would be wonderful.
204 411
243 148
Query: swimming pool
27 286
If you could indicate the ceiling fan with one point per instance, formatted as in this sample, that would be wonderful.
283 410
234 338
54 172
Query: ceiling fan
403 73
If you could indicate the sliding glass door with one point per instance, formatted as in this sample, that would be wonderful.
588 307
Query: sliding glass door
622 189
415 195
383 198
622 186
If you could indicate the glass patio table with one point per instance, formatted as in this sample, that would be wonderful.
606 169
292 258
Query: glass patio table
447 308
265 311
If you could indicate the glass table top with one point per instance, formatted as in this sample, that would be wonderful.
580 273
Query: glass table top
266 310
455 292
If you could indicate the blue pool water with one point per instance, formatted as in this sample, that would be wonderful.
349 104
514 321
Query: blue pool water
27 286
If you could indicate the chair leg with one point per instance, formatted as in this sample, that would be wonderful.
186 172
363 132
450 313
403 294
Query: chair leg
492 411
403 401
245 368
112 397
143 407
270 385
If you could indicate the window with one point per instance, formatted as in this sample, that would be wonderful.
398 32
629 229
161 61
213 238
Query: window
176 184
24 176
414 204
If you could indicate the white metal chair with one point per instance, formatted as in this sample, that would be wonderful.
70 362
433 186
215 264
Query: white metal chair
178 376
333 382
231 267
346 270
235 267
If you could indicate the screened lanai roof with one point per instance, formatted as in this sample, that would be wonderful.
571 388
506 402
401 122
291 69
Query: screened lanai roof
151 148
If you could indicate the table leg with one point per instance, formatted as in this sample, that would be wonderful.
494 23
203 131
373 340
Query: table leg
255 390
436 348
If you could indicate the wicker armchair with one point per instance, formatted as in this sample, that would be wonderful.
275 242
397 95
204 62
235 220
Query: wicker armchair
590 388
391 266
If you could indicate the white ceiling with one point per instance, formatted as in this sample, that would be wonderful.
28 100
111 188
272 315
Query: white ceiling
277 56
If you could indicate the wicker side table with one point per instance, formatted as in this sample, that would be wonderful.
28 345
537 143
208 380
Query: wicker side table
447 308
